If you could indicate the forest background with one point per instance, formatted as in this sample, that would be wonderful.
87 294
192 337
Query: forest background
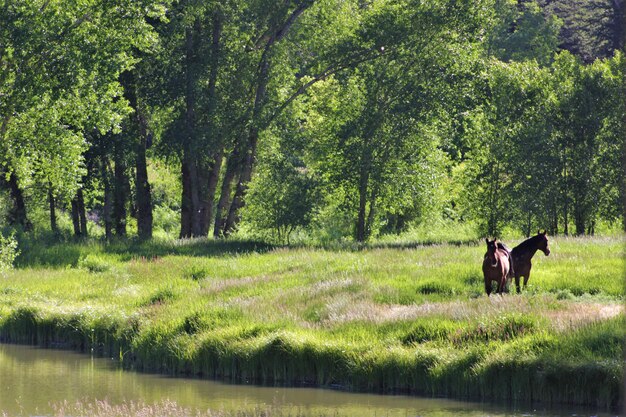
311 120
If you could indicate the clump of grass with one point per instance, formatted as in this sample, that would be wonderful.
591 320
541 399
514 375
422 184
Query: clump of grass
565 294
429 330
161 296
435 287
196 273
504 328
94 263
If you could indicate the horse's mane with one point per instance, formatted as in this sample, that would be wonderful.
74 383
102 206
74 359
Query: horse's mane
530 243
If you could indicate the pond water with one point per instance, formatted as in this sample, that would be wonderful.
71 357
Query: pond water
33 379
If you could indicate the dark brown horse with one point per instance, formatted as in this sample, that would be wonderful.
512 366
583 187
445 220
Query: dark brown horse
523 253
495 266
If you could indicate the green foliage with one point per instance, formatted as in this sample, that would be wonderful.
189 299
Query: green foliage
523 32
59 81
8 252
361 119
282 198
544 154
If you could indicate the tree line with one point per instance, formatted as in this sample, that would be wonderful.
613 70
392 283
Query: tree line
346 117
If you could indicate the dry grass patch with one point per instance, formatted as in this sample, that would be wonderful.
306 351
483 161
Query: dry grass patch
575 315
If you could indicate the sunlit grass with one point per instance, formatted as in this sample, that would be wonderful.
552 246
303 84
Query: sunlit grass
408 317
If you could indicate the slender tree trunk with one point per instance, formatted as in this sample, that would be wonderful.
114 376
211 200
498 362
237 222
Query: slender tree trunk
108 201
196 177
79 217
120 190
214 176
142 190
566 195
80 200
185 206
554 230
142 186
242 186
360 224
371 215
53 213
250 154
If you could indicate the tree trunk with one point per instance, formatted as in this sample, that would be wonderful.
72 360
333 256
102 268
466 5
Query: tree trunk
242 185
277 33
142 186
196 177
253 136
75 218
216 164
53 213
565 195
214 176
80 200
142 190
555 220
79 218
185 205
17 214
529 218
108 201
232 166
360 224
121 188
371 215
190 201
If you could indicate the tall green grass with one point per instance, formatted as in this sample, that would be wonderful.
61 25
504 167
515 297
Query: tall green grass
405 318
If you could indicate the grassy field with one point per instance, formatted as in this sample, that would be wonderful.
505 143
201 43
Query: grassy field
394 318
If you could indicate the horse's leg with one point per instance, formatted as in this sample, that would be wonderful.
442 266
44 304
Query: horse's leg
526 277
502 285
488 287
517 277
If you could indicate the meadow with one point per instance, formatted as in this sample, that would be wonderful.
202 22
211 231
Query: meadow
403 317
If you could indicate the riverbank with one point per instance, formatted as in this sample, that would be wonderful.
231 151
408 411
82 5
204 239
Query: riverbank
383 320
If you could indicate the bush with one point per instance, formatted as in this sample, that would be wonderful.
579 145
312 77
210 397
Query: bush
8 252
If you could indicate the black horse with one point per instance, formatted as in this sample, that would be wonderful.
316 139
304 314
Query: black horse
523 253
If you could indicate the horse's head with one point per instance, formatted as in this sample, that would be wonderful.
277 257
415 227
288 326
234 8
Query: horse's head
491 251
543 242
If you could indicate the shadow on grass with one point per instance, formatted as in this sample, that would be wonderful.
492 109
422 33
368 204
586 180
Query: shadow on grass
65 251
356 246
58 253
201 247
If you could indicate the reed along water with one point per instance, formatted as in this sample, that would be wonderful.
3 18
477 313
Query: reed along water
36 382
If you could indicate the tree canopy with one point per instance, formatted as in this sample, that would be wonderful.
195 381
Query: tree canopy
334 118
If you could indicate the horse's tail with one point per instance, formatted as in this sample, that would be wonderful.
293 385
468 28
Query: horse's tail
509 256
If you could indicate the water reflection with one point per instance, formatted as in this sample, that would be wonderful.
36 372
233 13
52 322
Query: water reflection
31 379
